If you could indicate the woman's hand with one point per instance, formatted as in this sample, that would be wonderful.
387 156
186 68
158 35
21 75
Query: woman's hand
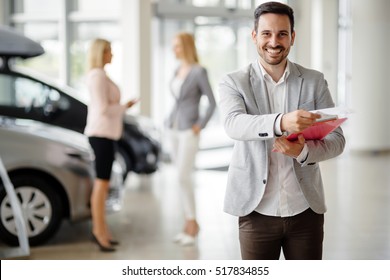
131 103
196 129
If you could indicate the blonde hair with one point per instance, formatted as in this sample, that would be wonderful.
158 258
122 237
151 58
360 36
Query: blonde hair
189 48
96 53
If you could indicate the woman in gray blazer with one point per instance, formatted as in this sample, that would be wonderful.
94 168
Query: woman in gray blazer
189 83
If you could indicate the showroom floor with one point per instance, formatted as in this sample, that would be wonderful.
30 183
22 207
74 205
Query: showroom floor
357 224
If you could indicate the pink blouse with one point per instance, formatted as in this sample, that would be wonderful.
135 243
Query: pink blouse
105 113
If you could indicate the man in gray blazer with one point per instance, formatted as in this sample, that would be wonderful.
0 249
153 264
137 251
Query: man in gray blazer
274 185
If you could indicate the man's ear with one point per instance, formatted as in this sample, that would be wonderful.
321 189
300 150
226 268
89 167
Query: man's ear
292 38
254 33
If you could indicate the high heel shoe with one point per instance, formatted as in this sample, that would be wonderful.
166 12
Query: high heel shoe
113 242
178 237
184 239
102 247
187 240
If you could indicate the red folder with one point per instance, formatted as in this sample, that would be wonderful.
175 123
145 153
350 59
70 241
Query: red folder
318 130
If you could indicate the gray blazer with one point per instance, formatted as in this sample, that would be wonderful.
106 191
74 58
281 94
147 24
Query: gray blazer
248 120
186 107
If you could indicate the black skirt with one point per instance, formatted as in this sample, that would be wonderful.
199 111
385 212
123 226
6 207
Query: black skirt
104 150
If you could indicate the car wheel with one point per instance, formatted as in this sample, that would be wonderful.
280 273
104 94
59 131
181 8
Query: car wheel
41 209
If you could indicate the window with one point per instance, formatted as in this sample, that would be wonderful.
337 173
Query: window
47 35
83 34
205 3
37 6
223 42
93 6
65 32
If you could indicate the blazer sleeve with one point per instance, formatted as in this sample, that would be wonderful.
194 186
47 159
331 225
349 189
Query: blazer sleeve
238 106
206 90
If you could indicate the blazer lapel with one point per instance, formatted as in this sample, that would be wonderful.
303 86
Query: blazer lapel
294 86
259 89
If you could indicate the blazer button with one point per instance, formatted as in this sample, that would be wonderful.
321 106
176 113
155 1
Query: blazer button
264 181
263 134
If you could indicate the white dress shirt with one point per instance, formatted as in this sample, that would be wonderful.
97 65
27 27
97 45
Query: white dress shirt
176 85
283 196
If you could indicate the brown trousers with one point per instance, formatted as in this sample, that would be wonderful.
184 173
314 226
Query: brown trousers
300 236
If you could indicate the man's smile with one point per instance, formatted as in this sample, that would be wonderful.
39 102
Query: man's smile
273 51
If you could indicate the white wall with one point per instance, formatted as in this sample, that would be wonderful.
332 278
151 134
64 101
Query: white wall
316 43
370 75
136 35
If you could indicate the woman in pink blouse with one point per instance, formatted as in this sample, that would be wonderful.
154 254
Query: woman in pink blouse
104 128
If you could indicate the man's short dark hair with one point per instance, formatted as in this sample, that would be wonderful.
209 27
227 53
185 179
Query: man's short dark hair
274 8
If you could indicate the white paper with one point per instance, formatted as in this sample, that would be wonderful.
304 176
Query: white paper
341 112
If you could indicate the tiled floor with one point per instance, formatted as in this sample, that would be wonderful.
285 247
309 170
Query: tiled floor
357 224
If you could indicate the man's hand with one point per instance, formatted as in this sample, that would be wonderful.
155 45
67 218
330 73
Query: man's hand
297 121
289 148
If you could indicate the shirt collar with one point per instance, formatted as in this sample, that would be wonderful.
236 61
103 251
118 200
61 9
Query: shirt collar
268 76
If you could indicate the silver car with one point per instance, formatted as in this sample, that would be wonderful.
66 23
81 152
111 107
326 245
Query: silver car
52 171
